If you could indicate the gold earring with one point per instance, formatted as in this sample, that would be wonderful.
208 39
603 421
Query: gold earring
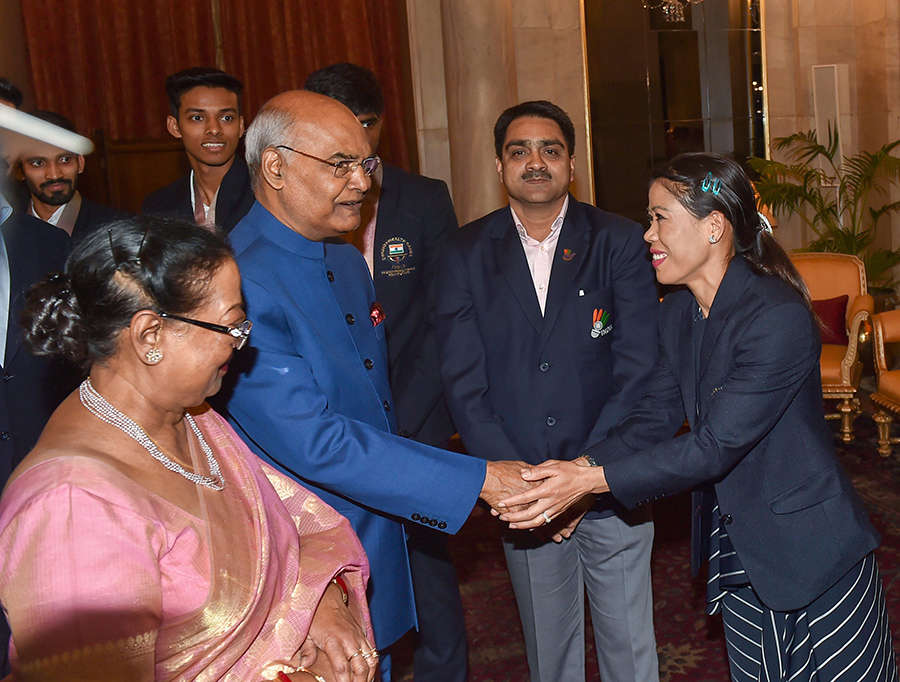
154 355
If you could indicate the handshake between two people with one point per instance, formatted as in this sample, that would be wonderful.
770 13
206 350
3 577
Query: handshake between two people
555 494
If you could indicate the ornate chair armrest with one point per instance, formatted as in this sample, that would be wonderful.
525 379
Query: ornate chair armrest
862 302
850 357
886 329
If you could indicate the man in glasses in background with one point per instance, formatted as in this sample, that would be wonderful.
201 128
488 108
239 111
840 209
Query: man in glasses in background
312 394
406 220
205 114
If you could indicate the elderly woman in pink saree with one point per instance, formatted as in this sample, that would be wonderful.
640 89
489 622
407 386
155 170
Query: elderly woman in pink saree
142 540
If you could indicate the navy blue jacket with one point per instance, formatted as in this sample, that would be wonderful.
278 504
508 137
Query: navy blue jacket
30 387
525 386
92 216
415 218
758 433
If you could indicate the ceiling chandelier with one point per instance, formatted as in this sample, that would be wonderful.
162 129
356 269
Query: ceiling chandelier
672 9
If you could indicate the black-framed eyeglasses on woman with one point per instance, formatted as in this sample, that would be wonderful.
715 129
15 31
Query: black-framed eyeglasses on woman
344 167
241 332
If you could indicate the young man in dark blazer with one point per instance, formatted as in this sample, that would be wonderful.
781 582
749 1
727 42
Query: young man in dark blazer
405 221
206 116
546 320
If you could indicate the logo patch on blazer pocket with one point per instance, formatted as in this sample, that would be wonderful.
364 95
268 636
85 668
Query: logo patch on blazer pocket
399 253
602 324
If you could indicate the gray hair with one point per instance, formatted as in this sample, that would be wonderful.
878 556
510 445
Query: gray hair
270 127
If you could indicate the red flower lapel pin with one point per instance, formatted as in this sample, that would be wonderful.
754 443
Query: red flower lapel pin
376 314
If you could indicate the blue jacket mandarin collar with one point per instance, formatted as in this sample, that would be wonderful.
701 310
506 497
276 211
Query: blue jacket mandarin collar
280 234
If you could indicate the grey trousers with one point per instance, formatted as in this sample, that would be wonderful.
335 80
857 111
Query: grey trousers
608 557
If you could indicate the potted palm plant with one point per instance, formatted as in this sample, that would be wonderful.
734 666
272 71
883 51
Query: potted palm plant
836 197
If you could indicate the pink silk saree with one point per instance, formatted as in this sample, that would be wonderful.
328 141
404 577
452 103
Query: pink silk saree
102 579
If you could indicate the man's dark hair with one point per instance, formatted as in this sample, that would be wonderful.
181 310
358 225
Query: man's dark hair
54 118
179 83
10 93
353 86
536 109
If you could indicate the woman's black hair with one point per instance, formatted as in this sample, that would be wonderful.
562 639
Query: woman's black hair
130 265
705 182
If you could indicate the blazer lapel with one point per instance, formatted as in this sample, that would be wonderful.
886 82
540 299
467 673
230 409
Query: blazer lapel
727 296
388 204
687 372
570 256
17 283
511 262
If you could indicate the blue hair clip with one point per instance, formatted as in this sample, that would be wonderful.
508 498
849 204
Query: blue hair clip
711 184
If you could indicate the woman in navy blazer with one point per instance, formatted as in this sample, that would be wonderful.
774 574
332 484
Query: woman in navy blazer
789 544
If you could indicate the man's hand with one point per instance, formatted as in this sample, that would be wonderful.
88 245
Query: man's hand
565 524
562 484
502 480
342 638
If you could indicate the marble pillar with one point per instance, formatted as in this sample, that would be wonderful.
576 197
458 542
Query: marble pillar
480 72
473 58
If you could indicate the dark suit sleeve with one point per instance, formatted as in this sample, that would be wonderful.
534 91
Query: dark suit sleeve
281 404
771 360
171 201
418 391
655 417
634 342
463 363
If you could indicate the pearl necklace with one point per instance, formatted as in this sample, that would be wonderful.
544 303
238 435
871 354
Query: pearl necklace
101 408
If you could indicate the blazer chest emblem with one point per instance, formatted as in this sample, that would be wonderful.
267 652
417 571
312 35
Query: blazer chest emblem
396 255
602 324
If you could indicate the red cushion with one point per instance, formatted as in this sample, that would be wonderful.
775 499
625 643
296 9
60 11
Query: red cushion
832 313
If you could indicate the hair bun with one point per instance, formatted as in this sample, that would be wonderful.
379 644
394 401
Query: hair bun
52 319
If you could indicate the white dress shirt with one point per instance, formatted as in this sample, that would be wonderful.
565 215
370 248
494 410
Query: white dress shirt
209 210
539 254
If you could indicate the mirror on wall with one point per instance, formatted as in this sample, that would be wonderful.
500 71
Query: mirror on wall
661 83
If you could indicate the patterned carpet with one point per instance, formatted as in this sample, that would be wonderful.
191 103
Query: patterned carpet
691 645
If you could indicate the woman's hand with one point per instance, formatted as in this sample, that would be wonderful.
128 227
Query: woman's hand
565 524
320 670
562 484
342 638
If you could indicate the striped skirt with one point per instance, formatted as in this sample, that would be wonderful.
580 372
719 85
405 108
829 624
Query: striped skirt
843 635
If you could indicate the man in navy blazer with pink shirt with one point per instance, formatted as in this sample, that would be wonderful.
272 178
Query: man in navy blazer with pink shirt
547 322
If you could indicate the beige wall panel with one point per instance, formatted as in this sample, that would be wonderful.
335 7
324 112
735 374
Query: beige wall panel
480 71
549 66
429 90
473 58
561 14
870 10
434 152
864 35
